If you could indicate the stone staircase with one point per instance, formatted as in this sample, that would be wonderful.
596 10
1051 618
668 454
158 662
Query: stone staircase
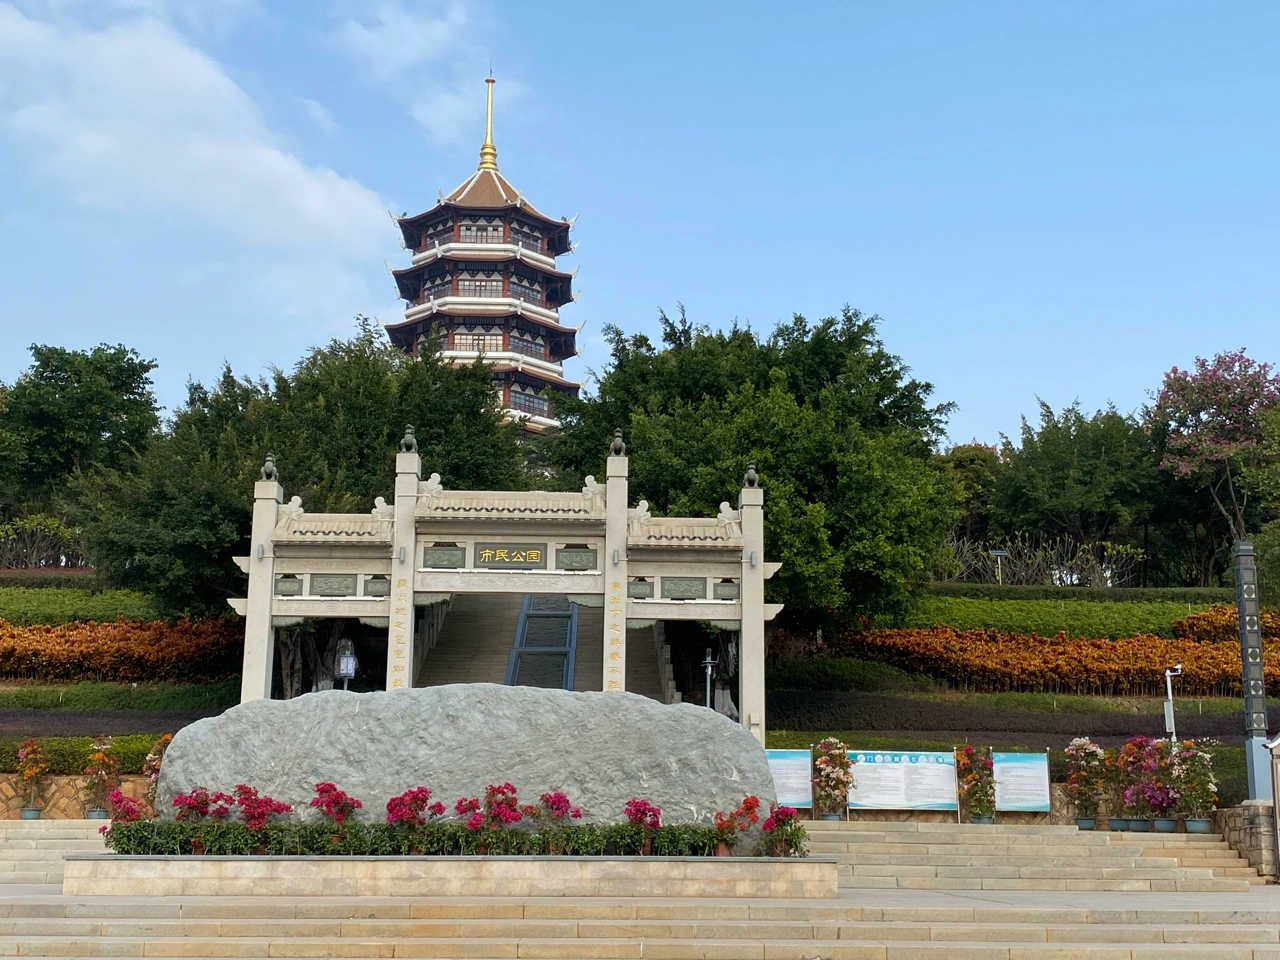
475 641
594 928
31 851
1192 850
949 856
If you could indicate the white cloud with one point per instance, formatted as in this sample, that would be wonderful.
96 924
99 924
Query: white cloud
424 52
132 115
217 17
321 117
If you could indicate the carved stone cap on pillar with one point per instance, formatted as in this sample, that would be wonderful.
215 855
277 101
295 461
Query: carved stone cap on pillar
751 497
268 490
409 463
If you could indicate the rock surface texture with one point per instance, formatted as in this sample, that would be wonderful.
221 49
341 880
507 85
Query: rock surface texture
600 749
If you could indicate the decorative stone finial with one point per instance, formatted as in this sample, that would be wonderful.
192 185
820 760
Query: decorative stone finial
409 442
752 479
617 448
268 471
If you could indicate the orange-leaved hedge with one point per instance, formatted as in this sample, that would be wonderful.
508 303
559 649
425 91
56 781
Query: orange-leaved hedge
989 661
1218 624
126 651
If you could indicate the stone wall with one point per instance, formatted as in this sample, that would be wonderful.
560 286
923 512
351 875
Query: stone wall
1250 828
63 798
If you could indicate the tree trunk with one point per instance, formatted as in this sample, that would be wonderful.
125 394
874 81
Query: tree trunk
323 662
289 643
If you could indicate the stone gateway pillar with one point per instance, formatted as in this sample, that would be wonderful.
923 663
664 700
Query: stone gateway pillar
615 568
259 634
751 656
400 659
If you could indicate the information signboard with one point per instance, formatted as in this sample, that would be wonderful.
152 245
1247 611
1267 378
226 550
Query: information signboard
1022 781
889 780
791 777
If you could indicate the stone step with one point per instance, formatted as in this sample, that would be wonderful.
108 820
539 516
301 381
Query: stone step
987 849
1088 863
1211 885
34 876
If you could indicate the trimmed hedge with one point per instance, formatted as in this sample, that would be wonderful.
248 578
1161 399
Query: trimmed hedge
92 697
291 838
1092 619
68 756
55 578
24 606
128 651
993 591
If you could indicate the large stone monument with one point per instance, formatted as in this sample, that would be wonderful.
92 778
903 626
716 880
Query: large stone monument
600 749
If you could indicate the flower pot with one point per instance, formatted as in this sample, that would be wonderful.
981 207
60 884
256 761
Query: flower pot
646 848
1140 826
830 816
29 813
723 849
1086 823
197 846
1198 824
1118 824
97 813
780 849
982 819
260 850
1166 825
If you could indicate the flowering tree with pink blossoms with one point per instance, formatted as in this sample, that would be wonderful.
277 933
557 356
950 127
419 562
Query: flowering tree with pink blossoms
1213 417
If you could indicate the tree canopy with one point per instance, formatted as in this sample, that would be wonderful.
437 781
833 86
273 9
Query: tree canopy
840 433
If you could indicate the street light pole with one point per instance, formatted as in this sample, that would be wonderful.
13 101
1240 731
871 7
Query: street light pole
709 665
1174 671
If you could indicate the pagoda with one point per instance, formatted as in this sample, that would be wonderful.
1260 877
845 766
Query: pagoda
483 283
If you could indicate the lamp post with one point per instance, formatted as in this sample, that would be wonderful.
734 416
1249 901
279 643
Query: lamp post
347 662
1174 671
999 555
709 665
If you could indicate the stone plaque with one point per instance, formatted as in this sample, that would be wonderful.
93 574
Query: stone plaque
575 558
340 585
448 557
377 587
729 590
640 589
510 556
684 588
288 586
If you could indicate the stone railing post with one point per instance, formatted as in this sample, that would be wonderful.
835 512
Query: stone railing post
615 569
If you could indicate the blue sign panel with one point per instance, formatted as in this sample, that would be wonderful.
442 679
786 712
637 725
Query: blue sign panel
792 777
892 780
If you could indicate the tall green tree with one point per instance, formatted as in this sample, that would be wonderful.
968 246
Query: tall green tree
841 435
70 411
171 523
976 468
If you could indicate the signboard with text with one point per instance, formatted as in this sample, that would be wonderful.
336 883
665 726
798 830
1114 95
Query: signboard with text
1022 781
792 776
892 780
511 556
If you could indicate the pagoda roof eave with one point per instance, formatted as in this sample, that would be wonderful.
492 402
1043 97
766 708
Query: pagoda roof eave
455 257
462 318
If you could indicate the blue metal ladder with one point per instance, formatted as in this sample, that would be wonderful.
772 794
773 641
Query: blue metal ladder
545 644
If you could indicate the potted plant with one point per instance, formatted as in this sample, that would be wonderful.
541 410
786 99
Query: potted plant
487 821
256 811
1086 779
553 813
786 836
200 805
976 774
102 776
336 806
1191 775
1138 762
411 810
648 817
33 774
729 826
832 778
1113 792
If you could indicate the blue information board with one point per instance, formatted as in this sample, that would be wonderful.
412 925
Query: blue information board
893 780
792 776
1022 781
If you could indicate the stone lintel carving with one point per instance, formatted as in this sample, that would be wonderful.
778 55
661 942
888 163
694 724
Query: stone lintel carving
684 588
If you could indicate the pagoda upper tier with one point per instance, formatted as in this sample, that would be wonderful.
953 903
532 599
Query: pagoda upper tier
483 282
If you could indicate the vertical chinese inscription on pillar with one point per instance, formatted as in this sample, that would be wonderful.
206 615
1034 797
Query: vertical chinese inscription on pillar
400 616
615 623
1255 688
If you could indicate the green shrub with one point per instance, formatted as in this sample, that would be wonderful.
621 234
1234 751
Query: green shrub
293 838
843 673
27 606
68 756
52 578
163 696
1091 619
1197 596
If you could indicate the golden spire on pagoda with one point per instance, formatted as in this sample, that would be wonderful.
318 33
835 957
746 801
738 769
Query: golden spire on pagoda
488 152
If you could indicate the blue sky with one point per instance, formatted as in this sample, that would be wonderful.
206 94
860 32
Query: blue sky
1059 200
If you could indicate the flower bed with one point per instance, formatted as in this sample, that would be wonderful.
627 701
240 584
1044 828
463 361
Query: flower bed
127 651
988 661
1219 624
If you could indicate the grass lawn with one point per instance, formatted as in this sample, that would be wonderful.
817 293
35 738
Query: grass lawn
158 697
